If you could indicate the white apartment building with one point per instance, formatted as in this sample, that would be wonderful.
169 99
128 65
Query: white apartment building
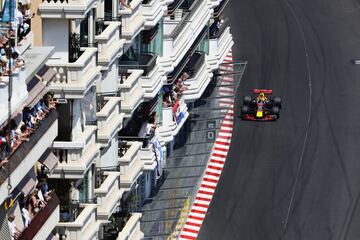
110 69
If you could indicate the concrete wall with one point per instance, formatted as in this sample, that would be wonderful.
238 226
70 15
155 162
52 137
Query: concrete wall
36 23
56 33
109 158
110 80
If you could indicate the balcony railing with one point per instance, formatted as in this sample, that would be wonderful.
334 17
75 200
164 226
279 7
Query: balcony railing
195 63
131 92
109 120
152 11
200 76
132 228
83 226
132 20
109 42
174 5
25 148
77 77
180 26
108 195
219 48
146 62
131 165
76 156
218 10
41 218
70 8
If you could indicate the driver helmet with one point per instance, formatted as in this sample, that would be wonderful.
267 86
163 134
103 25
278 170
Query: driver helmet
262 97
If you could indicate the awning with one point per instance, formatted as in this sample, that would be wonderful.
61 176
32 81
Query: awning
49 160
28 183
37 86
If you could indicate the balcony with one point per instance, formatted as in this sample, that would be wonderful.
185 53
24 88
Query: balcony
200 76
26 155
152 77
109 121
84 226
145 62
46 220
153 82
132 228
131 92
172 123
173 5
219 45
148 157
132 21
70 9
131 166
219 7
153 11
76 156
178 40
108 195
35 59
73 80
110 45
214 3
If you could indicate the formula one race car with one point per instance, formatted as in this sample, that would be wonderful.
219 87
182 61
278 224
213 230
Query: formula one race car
259 107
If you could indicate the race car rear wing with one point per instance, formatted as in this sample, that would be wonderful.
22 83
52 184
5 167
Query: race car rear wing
266 91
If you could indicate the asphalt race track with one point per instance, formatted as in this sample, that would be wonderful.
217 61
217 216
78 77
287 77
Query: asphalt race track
299 177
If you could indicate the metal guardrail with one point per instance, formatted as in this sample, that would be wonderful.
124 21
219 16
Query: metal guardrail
122 140
180 26
174 5
199 59
218 10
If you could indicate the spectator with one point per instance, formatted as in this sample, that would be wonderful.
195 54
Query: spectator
167 100
123 5
3 150
50 102
44 188
25 212
14 231
29 119
17 61
149 127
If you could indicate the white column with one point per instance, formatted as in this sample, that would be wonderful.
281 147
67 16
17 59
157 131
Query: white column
72 26
91 27
115 8
90 184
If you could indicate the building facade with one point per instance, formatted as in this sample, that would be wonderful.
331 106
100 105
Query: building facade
114 81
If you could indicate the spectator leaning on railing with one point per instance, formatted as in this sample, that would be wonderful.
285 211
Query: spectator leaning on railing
13 135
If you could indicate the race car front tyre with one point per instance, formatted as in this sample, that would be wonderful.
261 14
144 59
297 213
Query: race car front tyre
277 101
247 100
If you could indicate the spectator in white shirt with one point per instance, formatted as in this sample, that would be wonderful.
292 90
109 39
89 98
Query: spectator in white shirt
14 231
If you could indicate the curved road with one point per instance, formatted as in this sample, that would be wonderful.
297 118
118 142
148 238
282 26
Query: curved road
299 177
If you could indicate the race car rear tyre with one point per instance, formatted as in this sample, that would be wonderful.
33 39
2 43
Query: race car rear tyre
247 100
276 111
244 110
277 101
